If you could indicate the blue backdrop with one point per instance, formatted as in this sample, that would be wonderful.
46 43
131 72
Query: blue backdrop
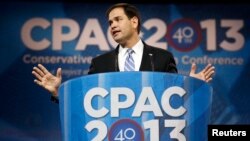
69 35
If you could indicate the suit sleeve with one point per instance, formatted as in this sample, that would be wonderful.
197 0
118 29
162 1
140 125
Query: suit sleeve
92 67
171 67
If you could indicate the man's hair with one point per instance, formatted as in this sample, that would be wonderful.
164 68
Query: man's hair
130 11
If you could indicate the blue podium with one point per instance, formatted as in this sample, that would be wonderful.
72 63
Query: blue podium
135 106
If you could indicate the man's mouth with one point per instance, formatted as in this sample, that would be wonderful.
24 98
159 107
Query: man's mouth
115 32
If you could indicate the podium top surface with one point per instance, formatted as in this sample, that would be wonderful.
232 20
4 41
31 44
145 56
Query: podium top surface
136 74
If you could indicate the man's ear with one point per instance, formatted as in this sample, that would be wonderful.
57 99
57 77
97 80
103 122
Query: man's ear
134 21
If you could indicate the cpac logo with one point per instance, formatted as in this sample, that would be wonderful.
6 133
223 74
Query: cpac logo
146 103
147 94
58 35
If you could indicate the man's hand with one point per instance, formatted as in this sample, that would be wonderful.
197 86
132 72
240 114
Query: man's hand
46 80
206 74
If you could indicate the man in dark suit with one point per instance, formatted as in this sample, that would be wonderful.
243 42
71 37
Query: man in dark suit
154 59
124 21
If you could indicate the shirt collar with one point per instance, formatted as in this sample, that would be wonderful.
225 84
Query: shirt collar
138 48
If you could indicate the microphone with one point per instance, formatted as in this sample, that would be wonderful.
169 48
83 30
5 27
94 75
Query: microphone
116 63
152 61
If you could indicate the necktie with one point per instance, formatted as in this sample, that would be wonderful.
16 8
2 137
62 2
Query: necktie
129 62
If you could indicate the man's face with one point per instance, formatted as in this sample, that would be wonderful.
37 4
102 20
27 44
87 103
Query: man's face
121 28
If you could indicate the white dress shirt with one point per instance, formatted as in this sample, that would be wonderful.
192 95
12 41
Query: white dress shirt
137 55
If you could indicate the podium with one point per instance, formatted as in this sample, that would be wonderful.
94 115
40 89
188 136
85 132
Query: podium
138 106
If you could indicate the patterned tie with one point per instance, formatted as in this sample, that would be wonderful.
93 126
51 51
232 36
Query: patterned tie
129 62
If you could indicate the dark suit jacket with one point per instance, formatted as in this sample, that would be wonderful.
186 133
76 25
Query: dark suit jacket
153 59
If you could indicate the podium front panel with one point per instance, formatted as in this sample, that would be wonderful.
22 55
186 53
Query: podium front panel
138 106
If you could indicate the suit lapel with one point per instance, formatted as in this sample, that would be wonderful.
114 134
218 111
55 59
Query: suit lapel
146 60
115 59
